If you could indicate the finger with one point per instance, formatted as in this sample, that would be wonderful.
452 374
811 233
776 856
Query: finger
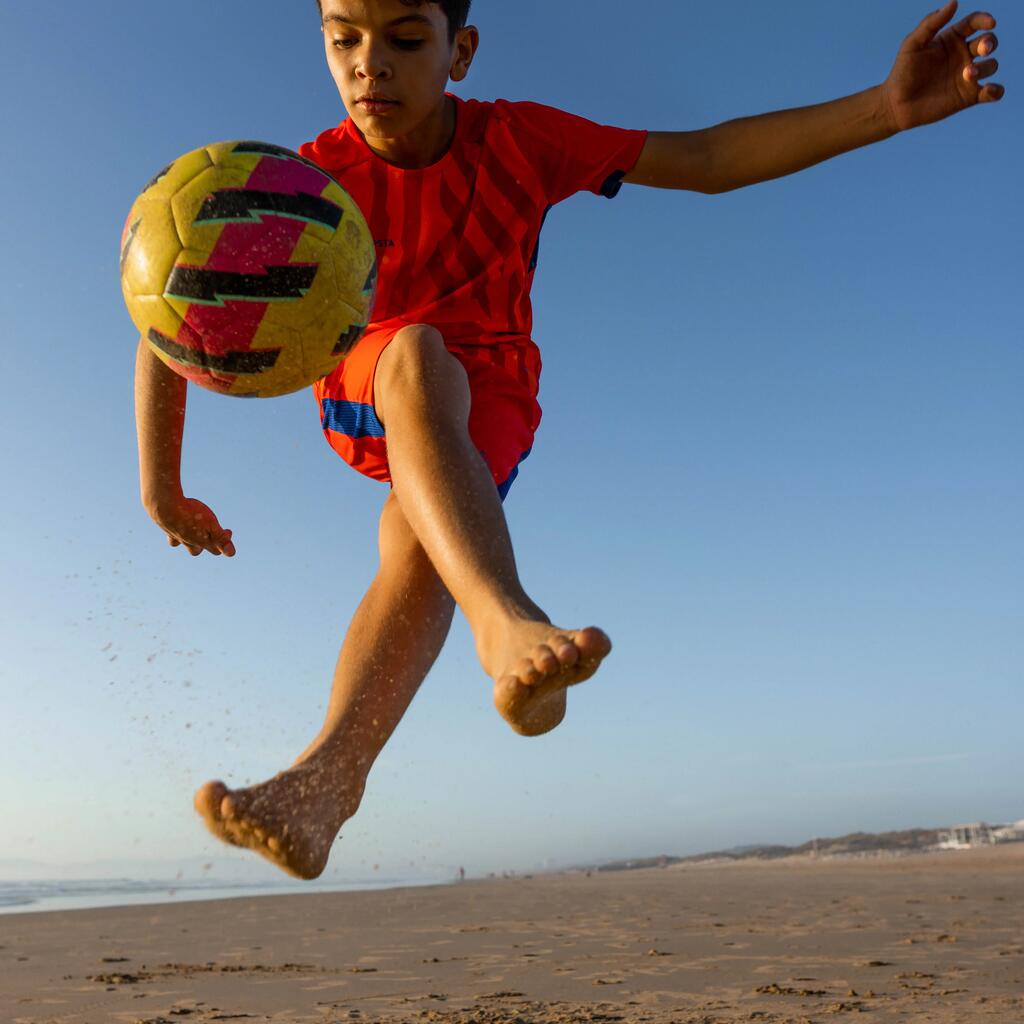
222 545
196 544
173 541
983 45
925 32
983 69
992 92
974 23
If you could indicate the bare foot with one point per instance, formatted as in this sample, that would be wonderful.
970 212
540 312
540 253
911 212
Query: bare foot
537 662
291 819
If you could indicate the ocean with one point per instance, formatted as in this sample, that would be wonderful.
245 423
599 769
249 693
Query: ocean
31 896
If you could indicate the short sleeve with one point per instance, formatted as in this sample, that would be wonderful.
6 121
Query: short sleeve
570 153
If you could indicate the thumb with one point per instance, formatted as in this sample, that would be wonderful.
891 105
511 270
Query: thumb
925 32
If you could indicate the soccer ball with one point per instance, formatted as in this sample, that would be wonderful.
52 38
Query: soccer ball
248 269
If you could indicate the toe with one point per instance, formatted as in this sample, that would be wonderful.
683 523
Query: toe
510 692
545 661
229 808
526 673
566 651
209 799
593 643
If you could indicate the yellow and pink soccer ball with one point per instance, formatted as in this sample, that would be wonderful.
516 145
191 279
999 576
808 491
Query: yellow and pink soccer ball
248 269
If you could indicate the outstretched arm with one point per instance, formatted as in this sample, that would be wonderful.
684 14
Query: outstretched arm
160 421
933 77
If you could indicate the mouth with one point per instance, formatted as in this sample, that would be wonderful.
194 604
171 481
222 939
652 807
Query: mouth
372 101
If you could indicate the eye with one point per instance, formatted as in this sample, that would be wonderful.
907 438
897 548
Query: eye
409 44
344 44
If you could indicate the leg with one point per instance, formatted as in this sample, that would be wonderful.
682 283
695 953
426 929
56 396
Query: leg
450 501
395 636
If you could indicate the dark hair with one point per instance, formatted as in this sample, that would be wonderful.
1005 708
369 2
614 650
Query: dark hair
456 11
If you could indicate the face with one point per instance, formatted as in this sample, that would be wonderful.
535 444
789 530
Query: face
391 63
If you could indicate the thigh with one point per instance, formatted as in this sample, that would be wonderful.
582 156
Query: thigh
504 413
503 417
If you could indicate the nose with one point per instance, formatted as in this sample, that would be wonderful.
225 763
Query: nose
372 64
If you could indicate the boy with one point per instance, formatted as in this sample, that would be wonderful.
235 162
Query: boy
439 396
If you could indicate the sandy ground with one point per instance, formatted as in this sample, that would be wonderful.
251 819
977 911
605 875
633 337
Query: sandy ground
927 938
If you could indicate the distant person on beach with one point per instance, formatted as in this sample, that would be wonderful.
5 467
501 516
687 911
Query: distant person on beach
439 397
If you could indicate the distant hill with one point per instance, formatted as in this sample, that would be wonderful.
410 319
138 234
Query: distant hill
913 840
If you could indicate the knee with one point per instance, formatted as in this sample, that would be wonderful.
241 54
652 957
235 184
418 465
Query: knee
416 367
401 551
397 540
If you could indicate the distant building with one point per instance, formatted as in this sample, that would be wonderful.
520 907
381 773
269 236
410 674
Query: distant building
966 837
1009 833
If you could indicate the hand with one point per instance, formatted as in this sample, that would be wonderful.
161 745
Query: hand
935 74
192 524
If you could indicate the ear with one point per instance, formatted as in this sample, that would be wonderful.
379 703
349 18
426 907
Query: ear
466 42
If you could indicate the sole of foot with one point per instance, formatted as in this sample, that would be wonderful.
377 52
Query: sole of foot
253 820
532 698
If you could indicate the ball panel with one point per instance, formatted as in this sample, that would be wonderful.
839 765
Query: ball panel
315 337
155 314
354 257
149 253
355 304
177 175
345 326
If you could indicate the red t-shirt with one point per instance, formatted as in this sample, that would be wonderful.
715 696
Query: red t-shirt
457 241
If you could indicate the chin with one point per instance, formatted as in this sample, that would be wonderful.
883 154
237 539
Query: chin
370 131
383 128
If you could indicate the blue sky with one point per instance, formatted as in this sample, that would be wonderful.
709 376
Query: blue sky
780 462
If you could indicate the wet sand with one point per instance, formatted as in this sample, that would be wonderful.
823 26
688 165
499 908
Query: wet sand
937 937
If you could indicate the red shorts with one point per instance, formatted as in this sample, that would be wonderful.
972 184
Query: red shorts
503 416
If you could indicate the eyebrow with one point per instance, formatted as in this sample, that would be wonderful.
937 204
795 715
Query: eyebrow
391 24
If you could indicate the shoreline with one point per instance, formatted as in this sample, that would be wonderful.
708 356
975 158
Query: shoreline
82 894
796 939
51 896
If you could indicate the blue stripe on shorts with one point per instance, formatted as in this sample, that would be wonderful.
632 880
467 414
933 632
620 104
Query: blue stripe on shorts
353 419
504 488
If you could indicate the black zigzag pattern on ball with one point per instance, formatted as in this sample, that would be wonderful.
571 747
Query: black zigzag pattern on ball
247 204
266 148
129 238
347 339
197 284
230 362
156 177
370 287
269 149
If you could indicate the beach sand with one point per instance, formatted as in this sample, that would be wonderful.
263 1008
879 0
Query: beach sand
936 937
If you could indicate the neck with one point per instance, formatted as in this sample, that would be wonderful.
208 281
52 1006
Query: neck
423 146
